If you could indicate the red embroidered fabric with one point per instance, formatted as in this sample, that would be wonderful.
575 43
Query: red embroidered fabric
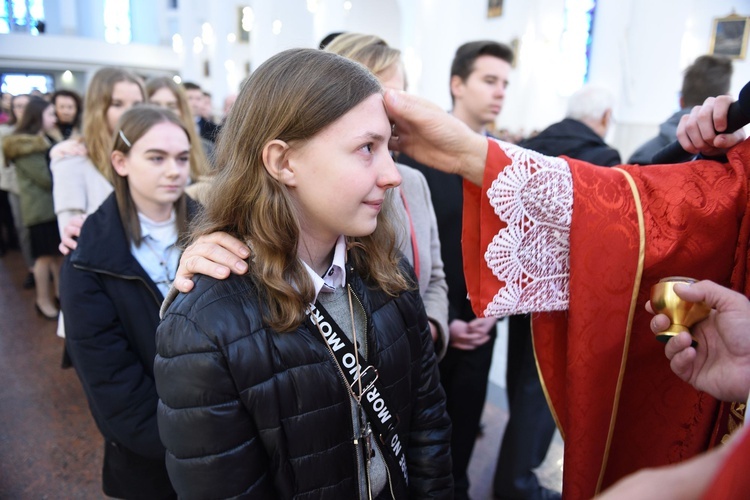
599 380
732 481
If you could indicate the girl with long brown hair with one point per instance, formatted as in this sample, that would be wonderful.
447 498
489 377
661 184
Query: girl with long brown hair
314 375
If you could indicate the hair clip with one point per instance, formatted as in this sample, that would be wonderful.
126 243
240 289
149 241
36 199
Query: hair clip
125 139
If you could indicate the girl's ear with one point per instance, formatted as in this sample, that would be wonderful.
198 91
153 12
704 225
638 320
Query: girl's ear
119 162
277 164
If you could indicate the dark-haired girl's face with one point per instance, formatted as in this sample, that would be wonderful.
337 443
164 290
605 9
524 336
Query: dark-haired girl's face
125 95
339 178
65 108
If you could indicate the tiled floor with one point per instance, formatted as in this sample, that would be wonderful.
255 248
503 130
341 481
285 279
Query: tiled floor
49 445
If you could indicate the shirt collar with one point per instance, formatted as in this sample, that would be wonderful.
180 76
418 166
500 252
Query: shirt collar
335 276
150 227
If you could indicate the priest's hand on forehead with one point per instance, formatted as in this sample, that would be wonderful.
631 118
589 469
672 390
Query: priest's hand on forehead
431 136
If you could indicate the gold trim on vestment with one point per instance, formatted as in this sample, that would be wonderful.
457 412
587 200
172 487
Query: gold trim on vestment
631 313
544 385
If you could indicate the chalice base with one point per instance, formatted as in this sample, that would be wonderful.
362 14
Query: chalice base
672 331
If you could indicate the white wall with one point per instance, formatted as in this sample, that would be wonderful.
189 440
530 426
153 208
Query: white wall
640 47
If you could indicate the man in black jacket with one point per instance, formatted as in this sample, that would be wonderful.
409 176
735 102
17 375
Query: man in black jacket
196 99
581 134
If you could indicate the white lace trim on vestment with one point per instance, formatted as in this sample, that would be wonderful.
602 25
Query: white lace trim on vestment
534 197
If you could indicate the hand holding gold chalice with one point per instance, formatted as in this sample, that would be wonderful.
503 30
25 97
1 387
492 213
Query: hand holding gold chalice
681 313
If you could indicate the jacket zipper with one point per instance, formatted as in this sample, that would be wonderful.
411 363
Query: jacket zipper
121 276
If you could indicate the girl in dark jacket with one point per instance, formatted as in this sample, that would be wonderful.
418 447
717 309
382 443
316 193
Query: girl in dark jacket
113 285
314 375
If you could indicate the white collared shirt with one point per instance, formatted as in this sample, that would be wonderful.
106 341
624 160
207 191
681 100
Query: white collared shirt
335 276
158 253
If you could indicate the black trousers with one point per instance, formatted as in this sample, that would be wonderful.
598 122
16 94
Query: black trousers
531 426
464 376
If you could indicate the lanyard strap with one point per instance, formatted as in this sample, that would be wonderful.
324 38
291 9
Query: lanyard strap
372 398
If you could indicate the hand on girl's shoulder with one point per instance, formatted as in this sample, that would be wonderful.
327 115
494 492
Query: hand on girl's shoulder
71 147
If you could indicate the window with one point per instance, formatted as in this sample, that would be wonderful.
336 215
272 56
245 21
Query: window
22 16
117 21
24 83
576 44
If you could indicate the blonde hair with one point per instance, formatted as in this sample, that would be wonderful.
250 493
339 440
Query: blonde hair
96 133
291 97
133 125
199 165
369 50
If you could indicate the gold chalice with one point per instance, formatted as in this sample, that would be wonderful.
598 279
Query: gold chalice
682 314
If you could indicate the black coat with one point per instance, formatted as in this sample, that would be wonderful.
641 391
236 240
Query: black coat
248 411
208 130
111 311
574 139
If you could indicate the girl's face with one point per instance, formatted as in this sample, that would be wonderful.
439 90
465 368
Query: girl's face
65 108
339 178
157 168
19 106
49 119
164 98
125 95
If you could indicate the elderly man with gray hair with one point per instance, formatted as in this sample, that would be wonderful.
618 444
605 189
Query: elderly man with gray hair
581 134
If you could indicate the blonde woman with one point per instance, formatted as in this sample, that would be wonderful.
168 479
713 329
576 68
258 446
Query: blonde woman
162 91
80 167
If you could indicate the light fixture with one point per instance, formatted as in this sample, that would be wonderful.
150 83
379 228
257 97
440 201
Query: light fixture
248 18
347 5
207 34
231 38
67 76
197 45
177 79
177 44
276 27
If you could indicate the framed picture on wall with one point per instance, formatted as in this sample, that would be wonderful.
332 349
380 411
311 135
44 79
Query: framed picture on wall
494 8
729 36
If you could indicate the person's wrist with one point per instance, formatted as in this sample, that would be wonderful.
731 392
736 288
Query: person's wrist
471 166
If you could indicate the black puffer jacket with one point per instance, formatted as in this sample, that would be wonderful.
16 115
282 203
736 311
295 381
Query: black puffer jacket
250 412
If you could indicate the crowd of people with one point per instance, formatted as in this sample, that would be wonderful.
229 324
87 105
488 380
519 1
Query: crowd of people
300 300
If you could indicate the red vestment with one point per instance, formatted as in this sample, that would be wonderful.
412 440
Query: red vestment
616 401
732 480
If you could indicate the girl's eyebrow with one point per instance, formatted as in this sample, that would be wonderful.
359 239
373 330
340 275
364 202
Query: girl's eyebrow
373 136
161 151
